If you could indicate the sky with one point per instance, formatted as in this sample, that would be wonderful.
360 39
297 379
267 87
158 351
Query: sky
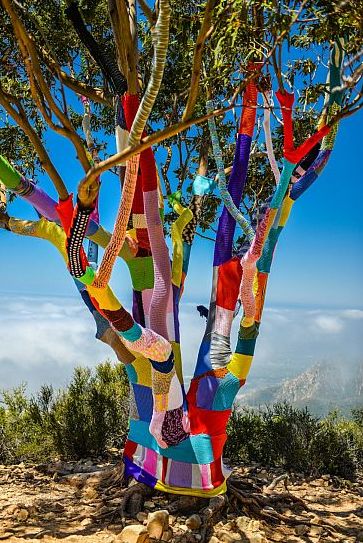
314 303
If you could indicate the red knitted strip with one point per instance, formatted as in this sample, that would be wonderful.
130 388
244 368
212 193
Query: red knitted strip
293 155
248 117
65 213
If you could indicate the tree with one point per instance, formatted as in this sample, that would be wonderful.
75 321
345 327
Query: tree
160 73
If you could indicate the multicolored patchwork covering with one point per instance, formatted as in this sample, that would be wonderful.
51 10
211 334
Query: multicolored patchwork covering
176 438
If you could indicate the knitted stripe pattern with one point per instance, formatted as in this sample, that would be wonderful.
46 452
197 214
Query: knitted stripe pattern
223 299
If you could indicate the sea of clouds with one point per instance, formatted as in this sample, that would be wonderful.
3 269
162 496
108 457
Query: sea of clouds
44 338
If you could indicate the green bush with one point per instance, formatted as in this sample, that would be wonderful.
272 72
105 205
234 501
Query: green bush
281 435
86 418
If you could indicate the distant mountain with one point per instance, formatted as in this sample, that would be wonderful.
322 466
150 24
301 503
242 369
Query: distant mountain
322 387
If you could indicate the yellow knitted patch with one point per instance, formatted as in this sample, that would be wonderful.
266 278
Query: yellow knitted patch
246 322
104 297
286 210
160 402
240 365
177 360
142 367
176 236
222 489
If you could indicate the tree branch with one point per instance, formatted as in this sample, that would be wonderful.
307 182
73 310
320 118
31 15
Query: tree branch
204 33
127 55
148 12
21 119
39 88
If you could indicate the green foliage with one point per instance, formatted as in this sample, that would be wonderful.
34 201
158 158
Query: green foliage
241 31
281 435
86 418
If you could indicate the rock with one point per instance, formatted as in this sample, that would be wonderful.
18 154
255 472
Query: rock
90 492
157 523
149 505
135 533
315 531
22 515
245 524
168 535
194 522
11 510
86 522
142 516
228 537
301 529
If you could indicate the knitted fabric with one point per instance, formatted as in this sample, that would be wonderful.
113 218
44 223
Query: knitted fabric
214 349
119 232
162 450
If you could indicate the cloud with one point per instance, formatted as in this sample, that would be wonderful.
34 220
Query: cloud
329 324
44 338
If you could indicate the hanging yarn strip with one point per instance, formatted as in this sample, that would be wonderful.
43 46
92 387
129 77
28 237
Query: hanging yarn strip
222 182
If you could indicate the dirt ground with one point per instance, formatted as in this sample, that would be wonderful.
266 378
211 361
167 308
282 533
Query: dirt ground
82 503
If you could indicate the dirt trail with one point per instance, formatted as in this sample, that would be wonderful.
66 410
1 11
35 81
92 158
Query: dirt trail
81 504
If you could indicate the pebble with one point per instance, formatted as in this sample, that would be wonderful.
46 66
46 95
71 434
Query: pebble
194 522
157 523
135 533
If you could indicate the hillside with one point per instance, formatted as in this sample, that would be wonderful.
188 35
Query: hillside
321 388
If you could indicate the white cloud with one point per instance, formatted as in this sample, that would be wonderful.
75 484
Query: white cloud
352 313
329 324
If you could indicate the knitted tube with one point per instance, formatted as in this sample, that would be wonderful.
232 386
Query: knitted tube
237 180
118 236
267 130
160 35
222 182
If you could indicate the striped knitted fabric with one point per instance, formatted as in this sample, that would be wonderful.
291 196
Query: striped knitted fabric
214 351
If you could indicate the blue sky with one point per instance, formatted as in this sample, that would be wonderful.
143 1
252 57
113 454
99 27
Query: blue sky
317 267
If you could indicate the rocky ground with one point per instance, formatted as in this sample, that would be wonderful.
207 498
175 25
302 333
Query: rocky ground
85 503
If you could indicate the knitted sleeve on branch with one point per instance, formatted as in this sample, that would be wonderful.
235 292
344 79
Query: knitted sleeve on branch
292 154
237 180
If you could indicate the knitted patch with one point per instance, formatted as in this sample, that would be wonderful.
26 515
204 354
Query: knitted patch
172 430
120 319
76 260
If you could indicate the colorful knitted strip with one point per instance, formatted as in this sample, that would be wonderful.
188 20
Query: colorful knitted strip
237 180
267 130
119 232
222 182
214 351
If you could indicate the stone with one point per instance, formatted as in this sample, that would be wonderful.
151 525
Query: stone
245 524
135 533
194 522
228 537
157 523
168 535
86 522
315 531
301 529
141 516
149 505
22 515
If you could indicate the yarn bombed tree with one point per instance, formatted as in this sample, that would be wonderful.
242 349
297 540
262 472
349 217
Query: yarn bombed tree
176 436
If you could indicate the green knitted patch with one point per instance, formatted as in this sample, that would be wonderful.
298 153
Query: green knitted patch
8 175
142 272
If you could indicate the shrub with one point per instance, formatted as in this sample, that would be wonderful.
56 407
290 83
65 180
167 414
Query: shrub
282 435
86 418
